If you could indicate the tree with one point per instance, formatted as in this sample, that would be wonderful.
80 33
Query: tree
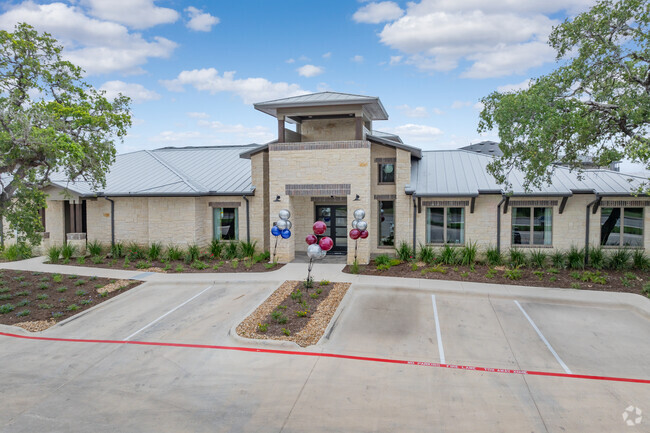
50 122
595 104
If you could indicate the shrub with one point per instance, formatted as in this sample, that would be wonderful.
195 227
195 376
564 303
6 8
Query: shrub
154 252
619 260
135 252
468 254
7 308
640 260
286 332
197 264
382 259
248 248
67 251
94 248
263 257
513 274
491 273
216 248
53 254
17 251
354 268
597 258
262 327
517 258
449 255
117 250
575 258
279 317
646 289
558 259
142 264
538 258
575 286
296 295
405 252
98 260
426 254
174 253
231 250
494 257
23 313
192 254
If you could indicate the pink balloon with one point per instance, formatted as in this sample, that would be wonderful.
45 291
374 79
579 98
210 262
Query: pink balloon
364 234
326 243
354 234
311 239
319 227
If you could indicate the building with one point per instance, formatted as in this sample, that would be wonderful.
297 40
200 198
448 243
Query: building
327 161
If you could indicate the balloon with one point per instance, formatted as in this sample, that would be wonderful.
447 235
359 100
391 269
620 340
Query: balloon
311 239
326 243
284 214
322 254
364 234
354 234
359 214
362 225
275 231
288 224
281 224
314 251
319 227
354 224
286 233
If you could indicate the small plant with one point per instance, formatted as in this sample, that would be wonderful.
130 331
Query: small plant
7 308
302 313
594 277
174 253
314 295
216 247
323 283
640 260
43 286
117 250
44 279
383 267
199 265
354 267
464 274
296 295
382 259
491 273
575 275
23 313
24 284
576 258
538 258
493 257
319 291
262 327
80 282
179 268
434 269
94 248
414 266
231 251
22 293
18 251
630 276
539 274
426 254
575 285
619 260
513 274
558 260
42 296
73 307
405 252
23 303
597 258
279 317
248 248
553 279
286 332
234 263
19 278
104 294
86 302
468 254
646 289
44 306
6 296
81 293
53 254
127 263
154 251
449 255
97 260
167 267
68 250
142 264
192 254
517 258
553 271
135 252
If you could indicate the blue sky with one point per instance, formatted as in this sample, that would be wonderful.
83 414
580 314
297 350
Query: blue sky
194 68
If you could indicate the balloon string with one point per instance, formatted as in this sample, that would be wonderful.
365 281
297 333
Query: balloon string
275 248
356 243
311 263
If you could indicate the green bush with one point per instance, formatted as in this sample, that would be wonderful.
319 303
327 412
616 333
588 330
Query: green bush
154 252
135 252
53 254
513 274
7 308
95 248
597 258
646 289
231 250
354 267
575 258
174 253
468 254
382 259
619 260
192 254
538 258
493 256
17 251
640 260
517 258
67 251
405 252
248 248
197 264
216 248
426 254
558 259
117 250
449 255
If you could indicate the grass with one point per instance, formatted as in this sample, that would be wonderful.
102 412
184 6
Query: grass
67 251
468 254
174 253
405 252
575 258
449 255
517 258
216 248
619 260
558 260
248 248
640 260
426 254
538 258
95 248
597 258
155 251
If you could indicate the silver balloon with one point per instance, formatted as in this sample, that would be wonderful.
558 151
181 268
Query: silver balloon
288 224
359 214
314 251
362 225
354 224
284 214
322 255
281 224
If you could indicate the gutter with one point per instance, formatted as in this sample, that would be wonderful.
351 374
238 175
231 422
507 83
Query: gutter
173 194
595 202
503 199
112 221
2 232
248 220
415 208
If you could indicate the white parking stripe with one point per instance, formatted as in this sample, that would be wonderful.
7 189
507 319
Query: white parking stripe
438 335
167 313
564 366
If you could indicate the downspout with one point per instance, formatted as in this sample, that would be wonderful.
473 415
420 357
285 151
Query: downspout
248 220
587 228
2 232
112 221
503 199
415 209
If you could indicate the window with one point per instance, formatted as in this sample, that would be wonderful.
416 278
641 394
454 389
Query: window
386 173
225 223
386 223
532 225
617 231
446 225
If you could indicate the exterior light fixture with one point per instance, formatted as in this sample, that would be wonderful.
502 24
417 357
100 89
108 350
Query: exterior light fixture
277 198
356 198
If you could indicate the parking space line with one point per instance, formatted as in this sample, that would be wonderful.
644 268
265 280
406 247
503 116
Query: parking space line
438 334
167 313
541 336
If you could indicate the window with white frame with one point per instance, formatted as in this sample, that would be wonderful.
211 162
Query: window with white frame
532 226
621 226
225 223
446 225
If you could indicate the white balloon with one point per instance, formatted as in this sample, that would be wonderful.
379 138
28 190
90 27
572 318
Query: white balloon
323 253
359 214
362 225
288 224
314 251
284 214
354 224
281 224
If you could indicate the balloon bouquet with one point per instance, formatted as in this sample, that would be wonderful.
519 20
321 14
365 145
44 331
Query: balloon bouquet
317 248
282 228
359 227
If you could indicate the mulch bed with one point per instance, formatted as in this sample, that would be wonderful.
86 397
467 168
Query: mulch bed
278 318
40 300
631 281
175 266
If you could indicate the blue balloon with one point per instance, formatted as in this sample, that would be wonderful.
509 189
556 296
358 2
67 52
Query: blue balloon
286 233
275 231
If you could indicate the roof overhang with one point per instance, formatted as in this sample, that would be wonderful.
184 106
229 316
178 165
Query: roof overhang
372 106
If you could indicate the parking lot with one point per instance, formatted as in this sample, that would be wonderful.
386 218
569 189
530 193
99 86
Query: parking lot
108 386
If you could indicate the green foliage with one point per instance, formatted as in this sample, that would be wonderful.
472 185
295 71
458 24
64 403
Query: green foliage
23 313
192 254
279 317
538 258
179 268
53 254
57 278
263 256
640 260
98 260
42 296
575 286
143 264
44 306
296 295
597 258
231 250
595 103
468 254
248 248
198 264
135 252
558 259
81 293
539 275
61 289
17 251
68 250
174 253
449 255
354 267
262 327
235 263
619 260
575 258
414 266
405 252
308 283
491 273
43 286
104 294
215 248
23 293
81 260
94 248
323 283
646 289
435 269
286 332
593 277
382 259
155 251
426 254
73 307
494 257
513 274
301 313
7 308
517 258
86 302
117 250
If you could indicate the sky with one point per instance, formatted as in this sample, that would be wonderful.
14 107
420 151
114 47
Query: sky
194 68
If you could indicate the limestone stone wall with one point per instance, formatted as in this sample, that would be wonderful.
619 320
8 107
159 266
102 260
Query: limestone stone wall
98 220
259 203
328 129
54 222
403 202
380 151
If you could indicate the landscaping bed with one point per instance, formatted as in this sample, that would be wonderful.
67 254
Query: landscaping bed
295 313
37 300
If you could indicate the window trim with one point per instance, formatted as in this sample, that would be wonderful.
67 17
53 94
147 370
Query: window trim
532 227
214 231
379 245
444 226
380 171
622 231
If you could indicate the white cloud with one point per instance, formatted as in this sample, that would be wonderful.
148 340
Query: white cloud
456 105
310 70
479 106
514 87
249 89
255 133
290 61
137 92
375 13
200 21
411 132
327 55
137 14
395 59
97 46
198 115
509 59
413 112
322 87
357 59
438 111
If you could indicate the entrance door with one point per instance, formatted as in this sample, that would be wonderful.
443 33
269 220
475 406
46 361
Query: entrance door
335 217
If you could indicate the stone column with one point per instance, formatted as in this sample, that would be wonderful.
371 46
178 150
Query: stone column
79 240
403 202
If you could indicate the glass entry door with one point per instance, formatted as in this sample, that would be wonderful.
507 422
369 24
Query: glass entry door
335 217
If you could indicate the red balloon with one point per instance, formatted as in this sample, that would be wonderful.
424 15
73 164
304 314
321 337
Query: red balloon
326 243
364 234
311 239
355 233
319 227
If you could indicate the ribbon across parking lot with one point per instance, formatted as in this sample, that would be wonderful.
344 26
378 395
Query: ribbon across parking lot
333 355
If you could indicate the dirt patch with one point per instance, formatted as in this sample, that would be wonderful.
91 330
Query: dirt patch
631 281
175 266
294 313
37 300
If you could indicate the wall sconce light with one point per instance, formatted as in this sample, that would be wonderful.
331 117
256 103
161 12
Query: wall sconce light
356 198
277 198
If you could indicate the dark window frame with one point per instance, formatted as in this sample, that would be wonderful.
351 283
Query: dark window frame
379 222
381 171
445 220
621 220
531 225
220 235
